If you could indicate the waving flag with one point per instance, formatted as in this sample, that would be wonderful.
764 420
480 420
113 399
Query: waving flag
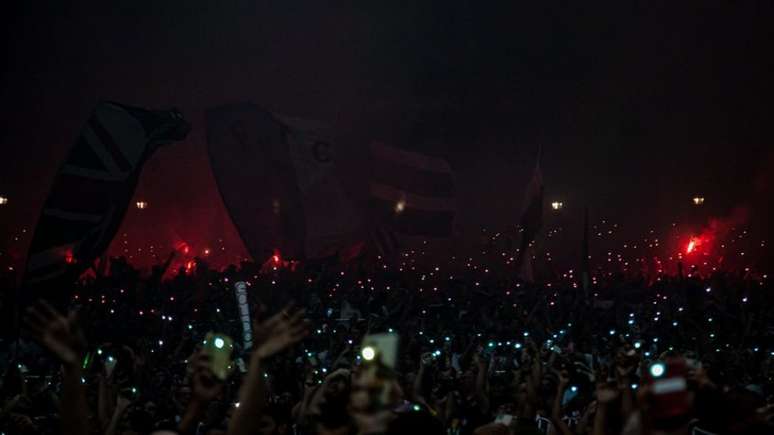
411 194
92 189
278 180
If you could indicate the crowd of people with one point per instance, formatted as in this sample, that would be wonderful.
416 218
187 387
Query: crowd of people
479 352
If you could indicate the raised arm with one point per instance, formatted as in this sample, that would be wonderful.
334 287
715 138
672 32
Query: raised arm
271 337
205 388
63 338
419 380
605 396
556 410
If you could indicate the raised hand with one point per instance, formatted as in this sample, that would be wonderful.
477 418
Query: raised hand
480 361
280 332
205 387
606 394
369 413
564 379
60 335
426 360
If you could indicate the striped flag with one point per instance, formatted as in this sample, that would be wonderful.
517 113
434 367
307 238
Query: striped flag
278 179
384 240
410 194
92 189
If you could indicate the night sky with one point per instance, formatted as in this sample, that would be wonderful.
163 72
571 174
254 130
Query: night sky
637 106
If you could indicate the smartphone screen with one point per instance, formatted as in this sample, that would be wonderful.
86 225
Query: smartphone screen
384 347
219 347
379 354
110 364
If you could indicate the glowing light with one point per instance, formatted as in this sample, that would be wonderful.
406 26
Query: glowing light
695 242
182 247
219 343
3 200
368 353
69 259
557 205
698 200
142 205
657 370
400 206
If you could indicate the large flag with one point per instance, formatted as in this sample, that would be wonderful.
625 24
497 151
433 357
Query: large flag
531 217
410 194
92 189
278 180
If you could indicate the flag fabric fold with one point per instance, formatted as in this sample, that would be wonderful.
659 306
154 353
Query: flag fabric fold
92 190
278 179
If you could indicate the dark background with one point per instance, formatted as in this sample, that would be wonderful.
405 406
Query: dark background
637 105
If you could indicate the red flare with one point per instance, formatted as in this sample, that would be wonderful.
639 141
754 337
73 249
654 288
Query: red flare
691 246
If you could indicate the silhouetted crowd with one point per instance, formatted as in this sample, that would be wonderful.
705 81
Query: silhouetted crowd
480 352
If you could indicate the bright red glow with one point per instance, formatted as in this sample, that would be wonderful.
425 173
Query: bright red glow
189 265
69 257
182 247
698 243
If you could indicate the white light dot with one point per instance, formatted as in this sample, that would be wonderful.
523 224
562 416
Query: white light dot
368 353
657 370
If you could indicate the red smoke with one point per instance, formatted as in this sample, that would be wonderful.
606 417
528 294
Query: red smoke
716 232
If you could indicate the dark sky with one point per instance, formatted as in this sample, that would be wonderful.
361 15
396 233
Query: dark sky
637 105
